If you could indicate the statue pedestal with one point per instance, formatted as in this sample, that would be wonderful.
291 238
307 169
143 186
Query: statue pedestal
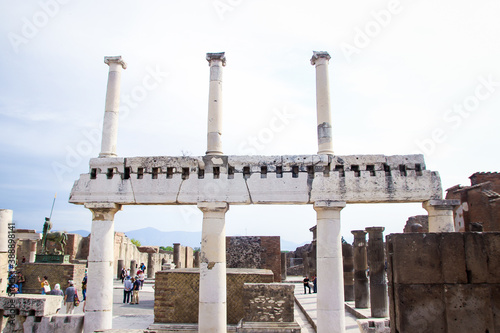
52 258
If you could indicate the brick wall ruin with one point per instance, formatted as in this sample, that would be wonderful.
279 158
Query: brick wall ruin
177 293
444 282
259 252
268 302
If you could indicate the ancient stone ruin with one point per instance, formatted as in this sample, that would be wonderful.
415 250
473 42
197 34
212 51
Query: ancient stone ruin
216 181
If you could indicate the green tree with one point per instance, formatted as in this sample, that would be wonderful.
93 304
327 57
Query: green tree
135 242
196 249
167 248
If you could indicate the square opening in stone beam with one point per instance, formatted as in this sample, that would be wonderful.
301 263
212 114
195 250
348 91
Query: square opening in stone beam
246 172
230 172
295 171
170 172
387 169
93 173
140 173
263 172
355 168
310 171
371 169
154 174
126 173
216 172
109 174
402 170
201 173
185 173
418 169
340 170
279 172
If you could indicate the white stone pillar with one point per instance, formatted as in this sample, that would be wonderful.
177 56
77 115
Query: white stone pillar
32 257
330 304
212 315
5 220
110 125
99 307
441 214
320 59
214 143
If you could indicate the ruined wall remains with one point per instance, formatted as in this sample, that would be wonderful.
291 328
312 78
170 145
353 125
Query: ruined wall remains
56 273
259 252
414 222
444 282
480 202
177 293
268 302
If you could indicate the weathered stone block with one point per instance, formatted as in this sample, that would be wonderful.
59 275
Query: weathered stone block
415 258
492 243
373 325
268 302
452 248
31 305
476 258
468 308
495 305
55 324
419 309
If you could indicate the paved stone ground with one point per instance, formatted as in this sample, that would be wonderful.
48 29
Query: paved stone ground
127 316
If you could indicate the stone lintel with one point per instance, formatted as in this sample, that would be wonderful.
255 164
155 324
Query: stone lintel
28 236
441 204
216 56
115 59
213 206
319 54
327 204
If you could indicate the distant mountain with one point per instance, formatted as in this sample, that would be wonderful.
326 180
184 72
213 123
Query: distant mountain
155 237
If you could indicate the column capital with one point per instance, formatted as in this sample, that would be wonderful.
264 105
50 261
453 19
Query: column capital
319 55
375 229
213 206
212 57
115 59
327 204
103 211
359 233
440 204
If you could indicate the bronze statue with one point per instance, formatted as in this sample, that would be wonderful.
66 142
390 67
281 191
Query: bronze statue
58 237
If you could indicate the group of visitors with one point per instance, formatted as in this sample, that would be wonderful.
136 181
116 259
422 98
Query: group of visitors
132 285
70 295
16 280
310 283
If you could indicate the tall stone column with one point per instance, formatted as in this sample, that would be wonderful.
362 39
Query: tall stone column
361 289
212 315
177 255
330 305
348 272
441 214
32 257
214 143
119 266
133 267
5 223
99 307
196 259
151 266
376 263
320 59
110 125
283 266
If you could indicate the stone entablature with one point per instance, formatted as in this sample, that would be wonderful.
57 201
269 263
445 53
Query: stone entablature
297 179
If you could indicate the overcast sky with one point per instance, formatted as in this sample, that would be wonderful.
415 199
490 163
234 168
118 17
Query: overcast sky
405 77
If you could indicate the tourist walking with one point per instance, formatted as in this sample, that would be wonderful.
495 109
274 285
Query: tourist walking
45 285
69 298
123 273
141 278
127 289
135 290
315 281
306 285
84 286
57 291
20 279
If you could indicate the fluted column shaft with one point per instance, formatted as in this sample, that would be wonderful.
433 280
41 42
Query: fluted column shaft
214 131
361 287
376 263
